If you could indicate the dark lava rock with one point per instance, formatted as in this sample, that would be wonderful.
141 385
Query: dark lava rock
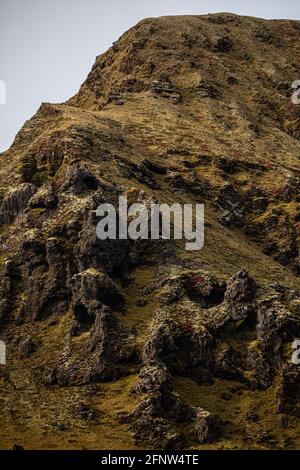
100 354
148 425
90 289
44 276
153 378
205 427
229 364
45 197
240 295
233 203
79 179
222 44
165 89
15 202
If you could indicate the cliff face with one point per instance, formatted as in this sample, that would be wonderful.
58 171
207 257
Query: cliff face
123 343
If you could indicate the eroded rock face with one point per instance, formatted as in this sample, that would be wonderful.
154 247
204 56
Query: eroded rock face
165 89
44 276
109 255
15 202
7 288
183 349
44 198
275 320
79 179
153 377
100 354
203 355
240 295
90 290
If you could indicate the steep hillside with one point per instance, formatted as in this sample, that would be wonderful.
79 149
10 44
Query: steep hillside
142 344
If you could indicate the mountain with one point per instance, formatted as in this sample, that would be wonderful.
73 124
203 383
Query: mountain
125 344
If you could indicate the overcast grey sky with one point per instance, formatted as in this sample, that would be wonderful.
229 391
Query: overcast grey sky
47 47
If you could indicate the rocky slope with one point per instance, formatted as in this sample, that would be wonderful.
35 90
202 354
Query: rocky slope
142 344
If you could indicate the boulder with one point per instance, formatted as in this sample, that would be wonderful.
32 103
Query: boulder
205 428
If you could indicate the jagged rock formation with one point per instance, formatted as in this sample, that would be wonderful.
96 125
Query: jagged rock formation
122 343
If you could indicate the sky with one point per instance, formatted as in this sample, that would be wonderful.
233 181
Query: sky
47 47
